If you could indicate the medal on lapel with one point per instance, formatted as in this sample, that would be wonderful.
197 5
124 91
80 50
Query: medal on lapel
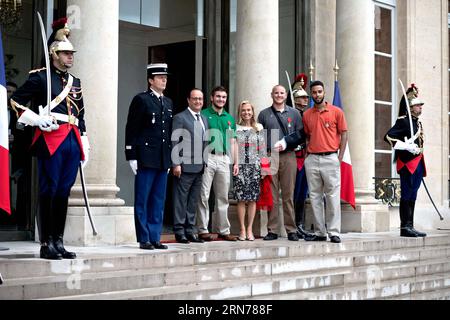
289 122
229 125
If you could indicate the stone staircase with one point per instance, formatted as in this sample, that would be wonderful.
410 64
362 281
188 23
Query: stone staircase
363 266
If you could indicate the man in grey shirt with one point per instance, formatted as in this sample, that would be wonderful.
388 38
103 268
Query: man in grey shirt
281 120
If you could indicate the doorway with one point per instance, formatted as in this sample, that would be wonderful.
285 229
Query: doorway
180 58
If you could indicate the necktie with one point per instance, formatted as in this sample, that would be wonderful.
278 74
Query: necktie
201 123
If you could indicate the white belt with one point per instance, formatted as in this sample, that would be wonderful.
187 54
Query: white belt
65 118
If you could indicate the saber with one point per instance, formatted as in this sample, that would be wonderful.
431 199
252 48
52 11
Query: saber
47 61
407 108
88 208
290 88
429 196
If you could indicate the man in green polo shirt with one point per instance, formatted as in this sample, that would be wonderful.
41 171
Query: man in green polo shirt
222 153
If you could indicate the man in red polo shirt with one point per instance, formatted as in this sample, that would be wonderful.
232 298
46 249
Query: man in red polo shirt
326 138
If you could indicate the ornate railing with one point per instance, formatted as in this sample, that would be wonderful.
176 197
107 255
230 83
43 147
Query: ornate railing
388 190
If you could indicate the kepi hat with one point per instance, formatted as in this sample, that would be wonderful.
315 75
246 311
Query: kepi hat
154 69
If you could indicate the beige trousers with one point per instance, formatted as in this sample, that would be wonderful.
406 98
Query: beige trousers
217 174
283 179
324 177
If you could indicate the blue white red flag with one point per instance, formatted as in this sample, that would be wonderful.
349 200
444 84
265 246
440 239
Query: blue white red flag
4 141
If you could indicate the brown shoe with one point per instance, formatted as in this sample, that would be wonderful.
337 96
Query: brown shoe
228 237
207 237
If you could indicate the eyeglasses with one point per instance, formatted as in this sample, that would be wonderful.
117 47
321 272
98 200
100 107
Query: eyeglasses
196 99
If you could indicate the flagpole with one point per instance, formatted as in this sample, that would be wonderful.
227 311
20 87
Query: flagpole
336 71
311 71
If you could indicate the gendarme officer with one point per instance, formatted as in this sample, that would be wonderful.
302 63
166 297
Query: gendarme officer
148 150
60 139
410 159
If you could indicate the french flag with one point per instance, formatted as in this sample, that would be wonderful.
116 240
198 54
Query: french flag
4 152
347 185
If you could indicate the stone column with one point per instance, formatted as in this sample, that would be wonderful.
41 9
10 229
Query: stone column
257 51
257 64
95 35
323 40
355 46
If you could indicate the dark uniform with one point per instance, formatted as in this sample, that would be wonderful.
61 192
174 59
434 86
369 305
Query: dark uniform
410 167
59 152
148 140
297 141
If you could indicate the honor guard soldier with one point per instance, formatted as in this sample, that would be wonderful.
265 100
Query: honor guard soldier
148 150
409 157
60 141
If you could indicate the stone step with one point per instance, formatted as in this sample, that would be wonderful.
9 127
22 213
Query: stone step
318 254
262 285
443 294
73 277
408 288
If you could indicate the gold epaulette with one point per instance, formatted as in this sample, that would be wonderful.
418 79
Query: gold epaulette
36 70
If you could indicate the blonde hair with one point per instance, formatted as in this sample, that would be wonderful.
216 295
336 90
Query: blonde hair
252 120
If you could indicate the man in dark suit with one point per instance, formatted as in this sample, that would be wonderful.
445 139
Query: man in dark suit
189 128
148 148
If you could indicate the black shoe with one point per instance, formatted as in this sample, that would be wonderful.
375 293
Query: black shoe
181 238
313 237
159 245
48 251
270 236
301 233
419 234
335 239
193 238
408 232
146 246
292 236
59 245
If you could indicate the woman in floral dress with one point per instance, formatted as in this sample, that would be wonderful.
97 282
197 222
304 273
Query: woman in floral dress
252 147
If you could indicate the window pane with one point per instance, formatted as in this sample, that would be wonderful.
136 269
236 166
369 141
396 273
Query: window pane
382 165
151 13
383 79
382 125
383 30
130 10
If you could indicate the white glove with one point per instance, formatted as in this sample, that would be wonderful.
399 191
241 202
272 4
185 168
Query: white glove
48 122
134 166
45 123
86 149
280 145
410 147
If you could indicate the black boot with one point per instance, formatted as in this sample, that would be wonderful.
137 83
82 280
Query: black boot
405 225
412 205
300 219
59 245
48 250
44 218
60 213
45 225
